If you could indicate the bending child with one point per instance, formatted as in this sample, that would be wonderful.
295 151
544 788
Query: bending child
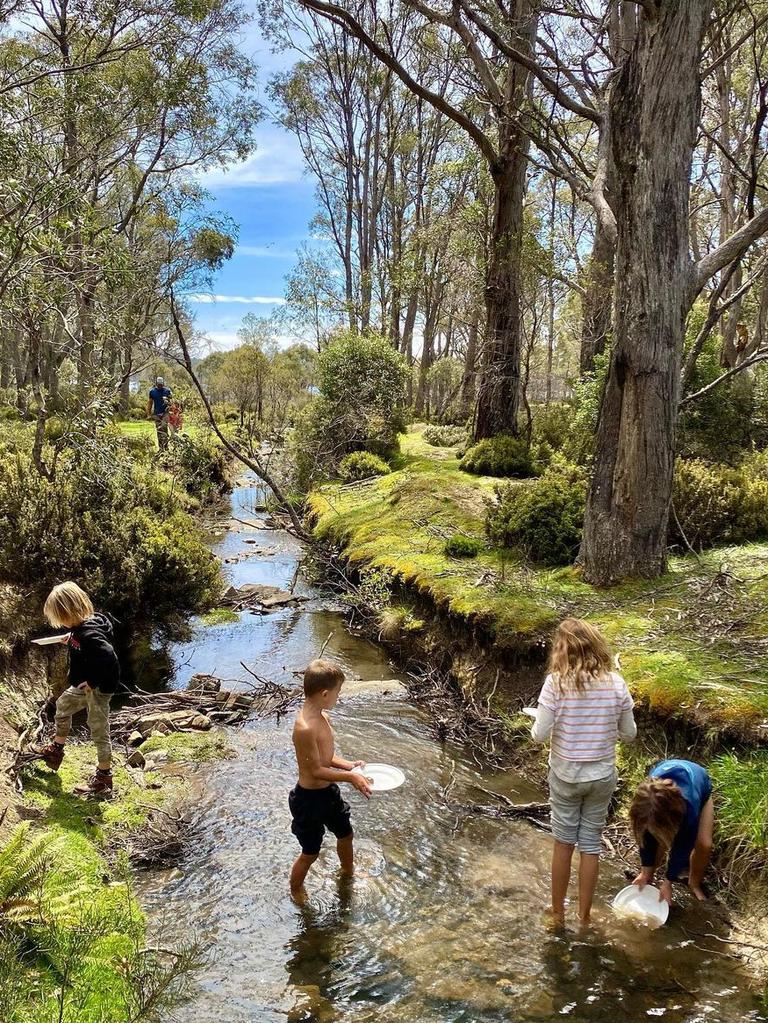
316 802
94 675
584 708
673 817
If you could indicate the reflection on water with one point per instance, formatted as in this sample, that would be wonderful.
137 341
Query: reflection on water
443 922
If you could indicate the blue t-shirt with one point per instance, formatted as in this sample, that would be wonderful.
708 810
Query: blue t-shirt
696 787
160 396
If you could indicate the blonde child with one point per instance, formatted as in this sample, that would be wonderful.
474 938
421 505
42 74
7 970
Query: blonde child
316 803
584 709
94 675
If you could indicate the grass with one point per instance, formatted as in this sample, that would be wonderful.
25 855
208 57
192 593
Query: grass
90 927
189 747
219 616
692 644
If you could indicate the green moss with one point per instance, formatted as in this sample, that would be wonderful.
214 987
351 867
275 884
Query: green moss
189 747
219 616
689 642
92 820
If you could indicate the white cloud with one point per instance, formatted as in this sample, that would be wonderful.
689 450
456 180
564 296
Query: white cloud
240 299
224 341
277 159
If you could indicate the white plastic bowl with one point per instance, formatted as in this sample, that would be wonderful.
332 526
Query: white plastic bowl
383 777
642 906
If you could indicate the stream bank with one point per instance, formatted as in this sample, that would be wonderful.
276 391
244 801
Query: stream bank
444 922
692 644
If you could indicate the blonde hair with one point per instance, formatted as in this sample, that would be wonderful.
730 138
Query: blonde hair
658 809
320 675
579 655
67 605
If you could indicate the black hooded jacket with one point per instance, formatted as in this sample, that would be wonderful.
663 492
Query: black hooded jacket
92 656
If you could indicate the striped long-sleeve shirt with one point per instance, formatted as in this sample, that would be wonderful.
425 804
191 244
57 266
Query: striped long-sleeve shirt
584 726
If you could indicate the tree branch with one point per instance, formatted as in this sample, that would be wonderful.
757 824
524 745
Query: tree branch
254 463
732 248
757 357
342 17
551 84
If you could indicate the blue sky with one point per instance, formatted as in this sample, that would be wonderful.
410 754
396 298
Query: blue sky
273 202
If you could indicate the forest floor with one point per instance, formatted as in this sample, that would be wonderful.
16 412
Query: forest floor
692 645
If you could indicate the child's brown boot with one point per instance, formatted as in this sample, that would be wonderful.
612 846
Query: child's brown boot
51 754
100 784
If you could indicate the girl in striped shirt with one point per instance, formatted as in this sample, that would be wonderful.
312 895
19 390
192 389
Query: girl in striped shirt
584 709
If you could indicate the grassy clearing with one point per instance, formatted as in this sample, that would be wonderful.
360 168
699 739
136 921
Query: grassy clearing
692 644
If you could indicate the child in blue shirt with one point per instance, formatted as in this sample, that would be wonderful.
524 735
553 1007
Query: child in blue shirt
673 817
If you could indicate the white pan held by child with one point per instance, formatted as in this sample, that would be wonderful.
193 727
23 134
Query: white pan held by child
383 777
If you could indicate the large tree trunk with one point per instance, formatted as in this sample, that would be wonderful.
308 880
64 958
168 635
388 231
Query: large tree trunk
654 114
499 390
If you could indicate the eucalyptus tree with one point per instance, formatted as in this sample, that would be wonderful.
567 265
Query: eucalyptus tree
110 107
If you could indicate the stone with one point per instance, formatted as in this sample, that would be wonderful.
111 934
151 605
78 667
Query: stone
136 759
200 723
135 738
204 684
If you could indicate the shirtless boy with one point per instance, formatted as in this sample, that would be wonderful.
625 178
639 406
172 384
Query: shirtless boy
316 802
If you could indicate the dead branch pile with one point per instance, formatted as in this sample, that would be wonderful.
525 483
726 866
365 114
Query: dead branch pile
197 707
258 598
455 715
161 841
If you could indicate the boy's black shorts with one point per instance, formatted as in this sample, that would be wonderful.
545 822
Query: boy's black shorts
314 810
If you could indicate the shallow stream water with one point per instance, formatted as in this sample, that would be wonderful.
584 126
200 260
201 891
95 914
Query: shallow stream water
444 921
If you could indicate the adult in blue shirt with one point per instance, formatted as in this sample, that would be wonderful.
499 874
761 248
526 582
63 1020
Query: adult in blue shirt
673 817
157 410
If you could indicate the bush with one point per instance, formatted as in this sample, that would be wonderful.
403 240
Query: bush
200 465
119 530
360 405
543 518
362 465
460 546
499 456
719 504
445 436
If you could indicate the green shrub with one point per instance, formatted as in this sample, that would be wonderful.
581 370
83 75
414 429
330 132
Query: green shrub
119 530
445 436
551 424
716 504
579 441
499 456
360 405
543 518
362 465
460 546
199 464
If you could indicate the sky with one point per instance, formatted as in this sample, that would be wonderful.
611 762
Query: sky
272 201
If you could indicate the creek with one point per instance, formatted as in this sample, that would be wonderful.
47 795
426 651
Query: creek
444 921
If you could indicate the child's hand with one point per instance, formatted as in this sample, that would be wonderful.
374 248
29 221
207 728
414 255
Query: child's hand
643 878
358 763
362 784
665 892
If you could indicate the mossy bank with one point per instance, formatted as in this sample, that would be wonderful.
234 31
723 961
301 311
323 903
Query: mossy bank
73 942
692 644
